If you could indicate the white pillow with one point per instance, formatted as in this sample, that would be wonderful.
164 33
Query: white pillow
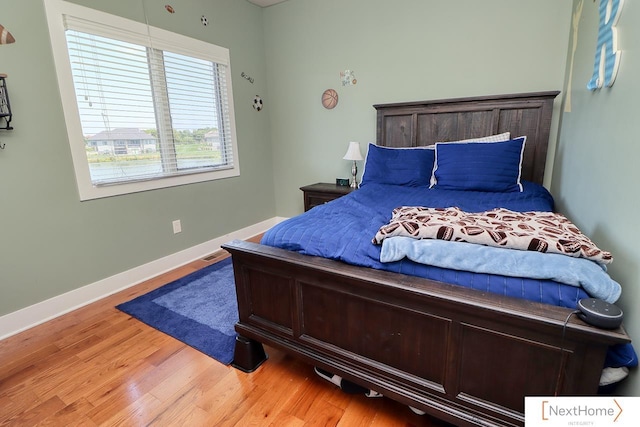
506 136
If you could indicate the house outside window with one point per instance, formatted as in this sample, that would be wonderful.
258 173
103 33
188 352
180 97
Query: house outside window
122 141
145 108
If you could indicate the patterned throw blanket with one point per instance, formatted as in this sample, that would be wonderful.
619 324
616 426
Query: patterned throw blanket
530 231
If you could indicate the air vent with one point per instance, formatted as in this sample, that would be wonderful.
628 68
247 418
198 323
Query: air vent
216 256
210 258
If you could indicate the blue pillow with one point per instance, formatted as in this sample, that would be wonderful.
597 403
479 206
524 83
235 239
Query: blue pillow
398 166
479 166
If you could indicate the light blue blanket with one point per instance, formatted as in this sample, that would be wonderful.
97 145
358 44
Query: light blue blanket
592 277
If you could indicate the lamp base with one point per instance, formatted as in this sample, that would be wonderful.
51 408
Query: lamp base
354 172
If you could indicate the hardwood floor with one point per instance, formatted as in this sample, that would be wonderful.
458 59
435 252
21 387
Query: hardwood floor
97 366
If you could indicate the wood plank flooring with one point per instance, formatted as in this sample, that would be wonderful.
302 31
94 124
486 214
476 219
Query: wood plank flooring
97 366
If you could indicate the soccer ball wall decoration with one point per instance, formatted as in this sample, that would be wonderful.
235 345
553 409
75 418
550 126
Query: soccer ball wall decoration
257 103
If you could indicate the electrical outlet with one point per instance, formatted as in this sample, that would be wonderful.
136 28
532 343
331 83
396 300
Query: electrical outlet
177 226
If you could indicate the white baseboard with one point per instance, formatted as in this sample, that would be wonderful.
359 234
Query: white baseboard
28 317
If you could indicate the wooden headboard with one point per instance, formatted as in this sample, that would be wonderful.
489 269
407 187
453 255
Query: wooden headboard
417 124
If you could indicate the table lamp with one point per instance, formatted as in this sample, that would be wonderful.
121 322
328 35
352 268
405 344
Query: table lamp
353 153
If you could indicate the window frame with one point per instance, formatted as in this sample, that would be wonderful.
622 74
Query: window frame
108 25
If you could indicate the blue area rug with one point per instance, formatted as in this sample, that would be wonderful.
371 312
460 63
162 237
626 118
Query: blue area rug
199 309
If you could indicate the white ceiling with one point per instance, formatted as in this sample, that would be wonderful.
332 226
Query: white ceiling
265 3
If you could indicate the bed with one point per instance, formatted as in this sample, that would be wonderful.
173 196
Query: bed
457 345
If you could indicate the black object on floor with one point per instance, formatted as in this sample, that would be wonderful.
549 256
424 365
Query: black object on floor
346 385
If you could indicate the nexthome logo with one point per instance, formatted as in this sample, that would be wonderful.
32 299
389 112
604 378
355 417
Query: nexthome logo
611 411
581 411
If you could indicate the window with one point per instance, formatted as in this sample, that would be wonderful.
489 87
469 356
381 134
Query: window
145 108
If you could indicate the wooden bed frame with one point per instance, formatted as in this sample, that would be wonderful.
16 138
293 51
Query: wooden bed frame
462 355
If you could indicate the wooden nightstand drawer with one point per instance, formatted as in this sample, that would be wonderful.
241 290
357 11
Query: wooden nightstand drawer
318 194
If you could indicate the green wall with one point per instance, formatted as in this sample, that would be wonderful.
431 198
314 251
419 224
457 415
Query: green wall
50 242
400 50
596 175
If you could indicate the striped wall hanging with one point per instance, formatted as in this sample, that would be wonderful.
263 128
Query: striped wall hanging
607 57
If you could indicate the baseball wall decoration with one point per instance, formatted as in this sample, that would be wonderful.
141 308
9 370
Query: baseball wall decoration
329 99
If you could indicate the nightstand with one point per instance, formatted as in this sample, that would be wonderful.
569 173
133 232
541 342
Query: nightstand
320 193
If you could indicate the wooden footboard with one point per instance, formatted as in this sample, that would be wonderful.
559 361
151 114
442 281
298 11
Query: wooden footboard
462 355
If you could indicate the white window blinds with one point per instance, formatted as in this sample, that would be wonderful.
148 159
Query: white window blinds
147 113
145 108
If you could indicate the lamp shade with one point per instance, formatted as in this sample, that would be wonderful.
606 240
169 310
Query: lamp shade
353 152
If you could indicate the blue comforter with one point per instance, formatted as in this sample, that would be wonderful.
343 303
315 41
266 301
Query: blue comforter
343 230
